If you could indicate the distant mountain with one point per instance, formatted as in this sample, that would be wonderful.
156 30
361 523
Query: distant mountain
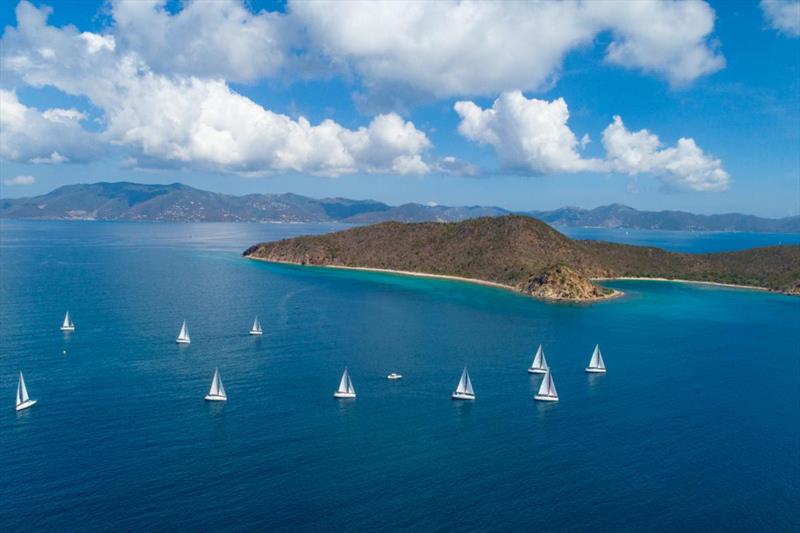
180 203
527 255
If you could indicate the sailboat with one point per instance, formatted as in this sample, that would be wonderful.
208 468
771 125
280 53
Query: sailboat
345 389
256 328
464 390
217 392
596 364
539 365
23 400
547 390
183 336
67 325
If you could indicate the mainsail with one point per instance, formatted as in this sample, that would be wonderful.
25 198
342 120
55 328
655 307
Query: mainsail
256 326
346 385
465 384
548 388
217 389
539 361
183 336
22 390
597 359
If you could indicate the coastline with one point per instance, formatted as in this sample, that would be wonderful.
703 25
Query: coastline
614 294
695 282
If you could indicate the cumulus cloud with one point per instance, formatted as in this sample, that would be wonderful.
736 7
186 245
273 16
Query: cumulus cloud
527 134
220 39
19 180
53 136
683 166
783 16
456 48
191 121
532 135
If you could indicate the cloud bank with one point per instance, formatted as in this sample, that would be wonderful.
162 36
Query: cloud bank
160 81
532 135
451 48
180 120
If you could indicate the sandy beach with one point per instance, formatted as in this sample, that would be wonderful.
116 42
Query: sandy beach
614 294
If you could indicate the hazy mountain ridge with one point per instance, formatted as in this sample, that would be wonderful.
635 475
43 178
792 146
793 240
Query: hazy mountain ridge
528 255
180 203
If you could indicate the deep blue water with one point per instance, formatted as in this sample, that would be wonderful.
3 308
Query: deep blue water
696 426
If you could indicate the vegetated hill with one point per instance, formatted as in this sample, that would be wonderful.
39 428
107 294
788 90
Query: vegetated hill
180 203
528 255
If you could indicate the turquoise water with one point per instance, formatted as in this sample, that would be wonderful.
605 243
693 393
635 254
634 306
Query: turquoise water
696 426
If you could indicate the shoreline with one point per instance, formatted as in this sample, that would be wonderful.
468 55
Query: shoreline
695 282
614 294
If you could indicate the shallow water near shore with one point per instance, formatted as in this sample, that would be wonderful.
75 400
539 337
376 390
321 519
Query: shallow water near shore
695 427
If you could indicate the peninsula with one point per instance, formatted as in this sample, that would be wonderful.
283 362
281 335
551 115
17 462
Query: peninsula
527 255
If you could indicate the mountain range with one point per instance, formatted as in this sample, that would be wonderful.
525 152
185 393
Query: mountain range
180 203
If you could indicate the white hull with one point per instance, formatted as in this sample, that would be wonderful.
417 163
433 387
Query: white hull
183 341
596 370
537 371
544 398
25 405
67 328
215 398
394 377
254 332
344 395
463 396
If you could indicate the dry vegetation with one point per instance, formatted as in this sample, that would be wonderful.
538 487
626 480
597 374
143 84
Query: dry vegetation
518 250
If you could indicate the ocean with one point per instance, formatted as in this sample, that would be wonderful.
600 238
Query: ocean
696 425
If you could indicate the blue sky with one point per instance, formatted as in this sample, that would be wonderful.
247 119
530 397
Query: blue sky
509 104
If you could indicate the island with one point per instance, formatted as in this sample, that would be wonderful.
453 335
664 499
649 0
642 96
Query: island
526 255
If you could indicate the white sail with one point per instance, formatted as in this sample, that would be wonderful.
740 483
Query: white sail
539 361
256 326
346 389
346 385
217 389
468 388
596 363
183 336
548 387
22 390
462 383
67 325
600 363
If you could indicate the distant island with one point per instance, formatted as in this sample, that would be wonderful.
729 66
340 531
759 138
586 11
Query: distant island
527 255
180 203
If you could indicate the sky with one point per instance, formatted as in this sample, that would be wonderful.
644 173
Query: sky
655 104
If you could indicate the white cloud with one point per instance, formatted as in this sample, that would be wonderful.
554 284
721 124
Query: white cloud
527 134
684 166
216 39
194 122
20 180
783 15
30 136
456 48
532 135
